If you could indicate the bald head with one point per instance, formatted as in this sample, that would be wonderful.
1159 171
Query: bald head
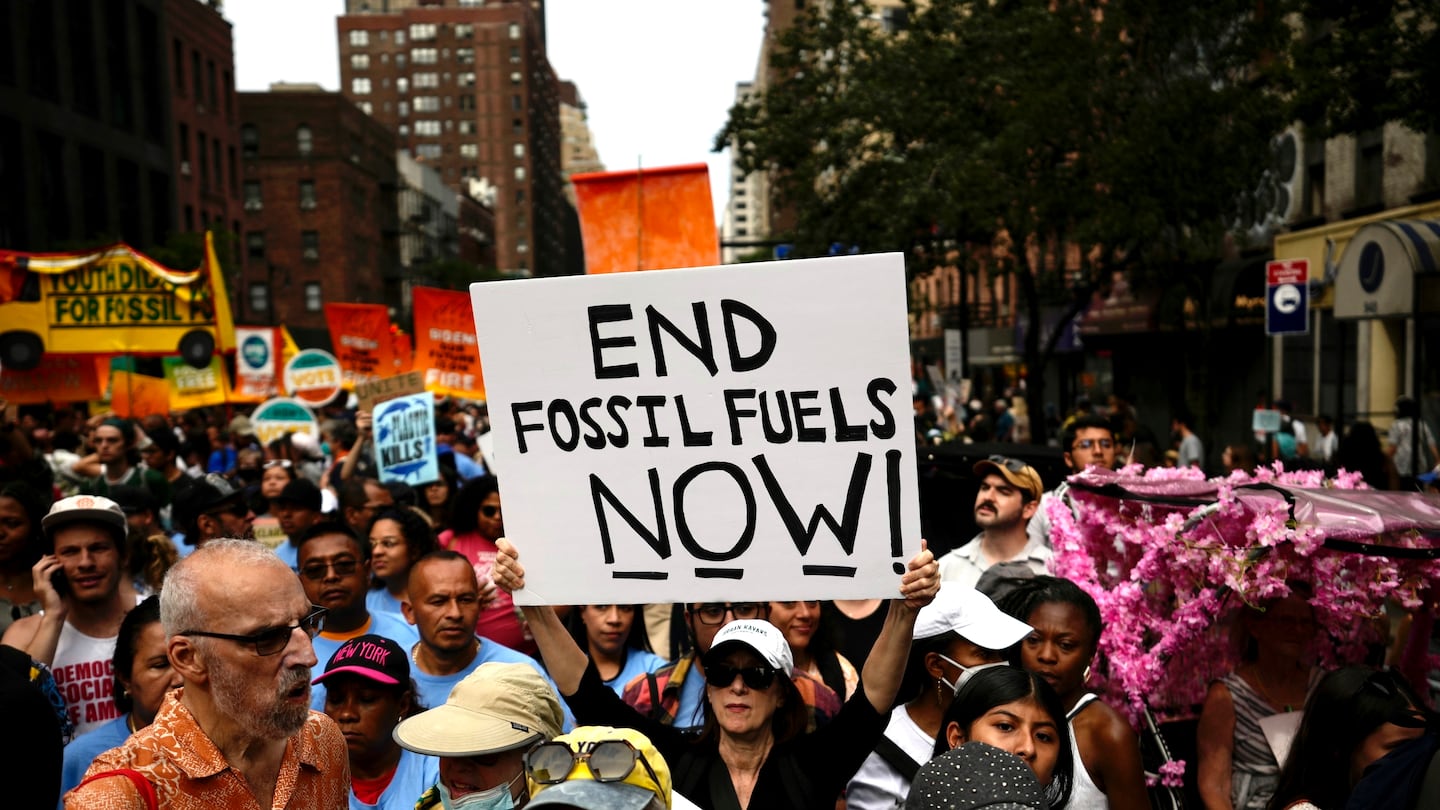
205 581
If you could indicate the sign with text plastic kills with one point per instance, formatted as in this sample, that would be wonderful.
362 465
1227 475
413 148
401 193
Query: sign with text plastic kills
722 433
360 335
405 439
647 219
445 343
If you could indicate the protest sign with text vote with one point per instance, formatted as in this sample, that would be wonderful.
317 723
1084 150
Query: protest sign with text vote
736 432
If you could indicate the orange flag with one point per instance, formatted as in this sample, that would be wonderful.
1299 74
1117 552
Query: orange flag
445 345
135 395
60 378
647 219
361 336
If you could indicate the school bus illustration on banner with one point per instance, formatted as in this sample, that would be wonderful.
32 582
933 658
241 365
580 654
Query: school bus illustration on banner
114 300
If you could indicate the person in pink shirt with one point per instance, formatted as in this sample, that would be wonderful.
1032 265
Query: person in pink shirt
478 523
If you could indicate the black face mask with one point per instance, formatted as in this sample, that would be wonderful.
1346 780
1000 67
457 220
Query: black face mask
248 476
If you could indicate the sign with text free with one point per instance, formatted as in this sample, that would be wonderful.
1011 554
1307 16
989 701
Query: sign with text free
1287 297
722 433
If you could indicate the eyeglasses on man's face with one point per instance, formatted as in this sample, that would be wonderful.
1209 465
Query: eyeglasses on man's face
316 571
1091 444
274 639
713 613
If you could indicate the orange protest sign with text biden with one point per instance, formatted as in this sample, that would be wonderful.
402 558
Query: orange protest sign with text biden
110 301
718 433
445 343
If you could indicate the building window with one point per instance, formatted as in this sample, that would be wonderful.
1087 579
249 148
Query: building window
177 56
466 79
514 30
313 300
514 55
520 173
422 32
259 296
400 37
404 130
253 201
308 201
465 101
384 37
255 244
427 127
517 126
403 108
428 151
402 85
360 87
464 30
515 103
519 150
522 246
304 140
399 61
515 77
468 128
360 61
360 39
367 108
469 150
309 250
465 56
1369 168
427 104
427 80
424 56
249 141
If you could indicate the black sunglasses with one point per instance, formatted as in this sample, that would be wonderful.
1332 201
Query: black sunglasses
758 677
609 761
315 572
489 511
272 641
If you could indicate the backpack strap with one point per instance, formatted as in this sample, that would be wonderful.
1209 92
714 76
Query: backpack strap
142 785
656 710
896 758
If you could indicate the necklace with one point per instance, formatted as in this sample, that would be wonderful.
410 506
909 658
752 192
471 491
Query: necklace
1265 692
130 723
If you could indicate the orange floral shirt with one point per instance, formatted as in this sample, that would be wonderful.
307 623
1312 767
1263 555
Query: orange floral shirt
189 772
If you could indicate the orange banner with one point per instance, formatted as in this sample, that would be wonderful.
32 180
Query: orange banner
60 378
647 219
361 336
445 346
135 395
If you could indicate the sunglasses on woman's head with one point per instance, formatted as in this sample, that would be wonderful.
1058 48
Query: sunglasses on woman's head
759 677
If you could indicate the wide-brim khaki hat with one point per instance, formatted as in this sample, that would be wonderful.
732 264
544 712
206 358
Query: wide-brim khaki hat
498 707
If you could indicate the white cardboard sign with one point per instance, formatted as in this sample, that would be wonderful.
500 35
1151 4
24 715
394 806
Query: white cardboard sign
719 433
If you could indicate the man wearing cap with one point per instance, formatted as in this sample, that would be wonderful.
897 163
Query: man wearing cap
297 508
239 731
113 440
1008 498
82 588
492 717
361 499
1089 441
957 635
368 693
335 572
211 508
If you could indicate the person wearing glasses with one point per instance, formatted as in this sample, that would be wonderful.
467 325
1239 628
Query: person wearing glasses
478 521
481 733
675 694
1007 500
600 768
754 750
239 731
335 573
1089 441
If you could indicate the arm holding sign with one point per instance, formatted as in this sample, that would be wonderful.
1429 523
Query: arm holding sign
880 679
564 659
362 432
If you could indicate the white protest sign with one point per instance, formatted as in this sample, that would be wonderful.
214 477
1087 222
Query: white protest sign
720 433
405 439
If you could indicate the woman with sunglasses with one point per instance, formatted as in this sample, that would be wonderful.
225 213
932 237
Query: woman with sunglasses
1018 712
142 677
753 750
368 692
1342 754
1065 633
398 537
616 642
478 523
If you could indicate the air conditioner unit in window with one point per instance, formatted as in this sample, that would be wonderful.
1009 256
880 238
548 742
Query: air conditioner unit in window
307 205
253 205
185 167
310 254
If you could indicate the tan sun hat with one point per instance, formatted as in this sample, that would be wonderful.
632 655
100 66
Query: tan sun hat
497 707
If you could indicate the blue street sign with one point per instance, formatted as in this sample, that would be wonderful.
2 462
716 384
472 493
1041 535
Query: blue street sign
1287 297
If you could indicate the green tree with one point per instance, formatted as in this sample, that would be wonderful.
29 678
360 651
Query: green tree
1001 132
453 274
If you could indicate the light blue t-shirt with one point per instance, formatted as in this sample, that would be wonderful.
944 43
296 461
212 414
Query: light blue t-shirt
637 662
434 689
290 555
380 600
690 713
182 548
81 751
386 625
414 774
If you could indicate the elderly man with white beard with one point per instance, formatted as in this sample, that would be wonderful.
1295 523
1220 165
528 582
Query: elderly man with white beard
239 731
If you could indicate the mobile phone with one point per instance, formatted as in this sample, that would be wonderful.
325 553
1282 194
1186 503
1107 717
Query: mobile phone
59 582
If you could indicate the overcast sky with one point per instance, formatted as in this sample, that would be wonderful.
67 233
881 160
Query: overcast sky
658 76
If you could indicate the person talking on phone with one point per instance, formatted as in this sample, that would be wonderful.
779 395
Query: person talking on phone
81 585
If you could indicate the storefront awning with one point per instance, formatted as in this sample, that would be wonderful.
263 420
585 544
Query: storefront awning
1377 274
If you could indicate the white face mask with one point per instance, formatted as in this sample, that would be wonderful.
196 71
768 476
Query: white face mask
495 798
966 673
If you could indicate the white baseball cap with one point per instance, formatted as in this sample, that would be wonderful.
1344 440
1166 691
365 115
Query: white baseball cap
971 615
85 508
764 638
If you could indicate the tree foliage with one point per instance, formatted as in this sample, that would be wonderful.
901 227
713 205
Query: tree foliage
1005 130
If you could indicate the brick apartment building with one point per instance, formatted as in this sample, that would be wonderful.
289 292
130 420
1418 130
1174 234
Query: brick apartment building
468 89
320 222
205 119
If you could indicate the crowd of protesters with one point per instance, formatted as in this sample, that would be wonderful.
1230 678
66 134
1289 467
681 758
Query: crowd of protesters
156 573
